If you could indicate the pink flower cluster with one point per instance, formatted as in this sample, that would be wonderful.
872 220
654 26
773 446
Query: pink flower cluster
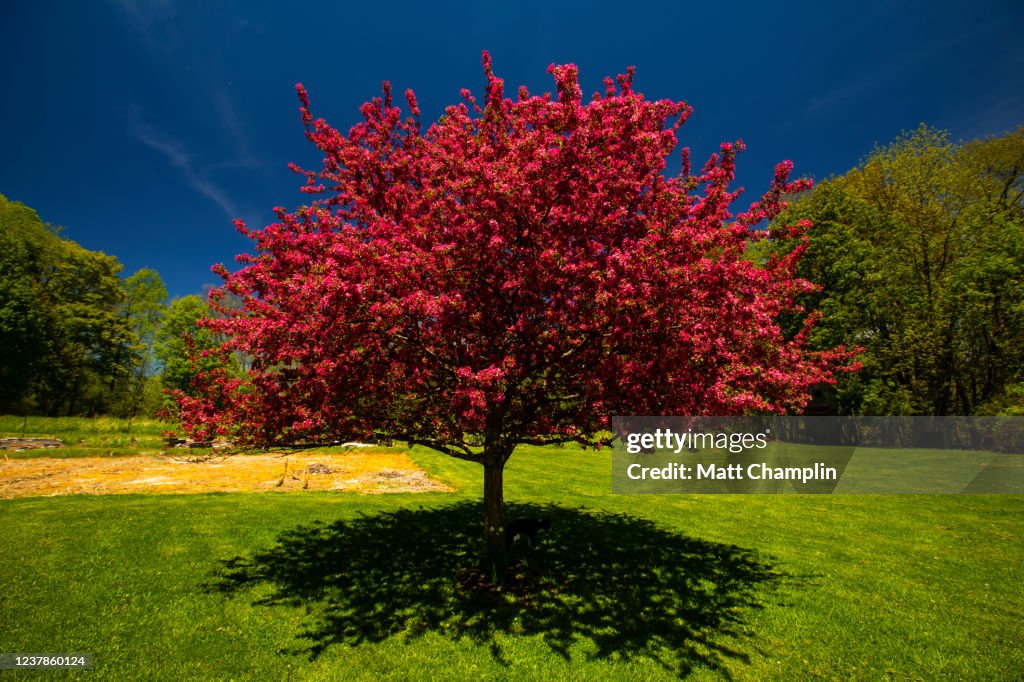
522 269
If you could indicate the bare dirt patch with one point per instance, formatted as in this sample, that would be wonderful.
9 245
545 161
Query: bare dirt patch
363 471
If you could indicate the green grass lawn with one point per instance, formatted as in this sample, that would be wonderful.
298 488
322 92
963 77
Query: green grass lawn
347 586
100 437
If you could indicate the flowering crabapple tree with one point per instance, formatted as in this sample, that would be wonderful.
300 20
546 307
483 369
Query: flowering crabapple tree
516 273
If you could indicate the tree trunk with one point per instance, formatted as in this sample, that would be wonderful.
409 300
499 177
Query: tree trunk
495 557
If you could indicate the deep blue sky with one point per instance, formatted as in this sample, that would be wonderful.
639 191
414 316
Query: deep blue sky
144 126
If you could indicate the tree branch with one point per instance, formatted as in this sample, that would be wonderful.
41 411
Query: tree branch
457 450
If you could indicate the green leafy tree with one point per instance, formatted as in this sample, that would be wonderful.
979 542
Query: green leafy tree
26 328
93 343
67 347
920 256
179 343
143 307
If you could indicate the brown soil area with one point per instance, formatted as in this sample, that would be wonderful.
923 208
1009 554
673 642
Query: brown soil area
366 472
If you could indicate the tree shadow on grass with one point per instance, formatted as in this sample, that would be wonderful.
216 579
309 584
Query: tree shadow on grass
619 586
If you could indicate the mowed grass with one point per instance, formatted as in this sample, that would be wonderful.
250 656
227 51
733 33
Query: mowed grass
328 586
83 437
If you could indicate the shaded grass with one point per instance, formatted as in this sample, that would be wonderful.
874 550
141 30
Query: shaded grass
329 586
618 587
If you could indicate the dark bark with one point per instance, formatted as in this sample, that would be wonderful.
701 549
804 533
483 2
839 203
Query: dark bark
495 557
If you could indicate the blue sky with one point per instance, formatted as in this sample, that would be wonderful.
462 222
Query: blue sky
144 127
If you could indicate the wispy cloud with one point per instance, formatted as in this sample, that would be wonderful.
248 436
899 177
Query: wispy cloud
160 28
151 21
176 154
851 90
839 94
1001 115
235 125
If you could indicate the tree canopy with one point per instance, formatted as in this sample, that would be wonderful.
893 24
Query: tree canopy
179 347
517 273
72 339
919 252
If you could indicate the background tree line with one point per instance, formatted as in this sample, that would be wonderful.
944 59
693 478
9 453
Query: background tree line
78 339
919 252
